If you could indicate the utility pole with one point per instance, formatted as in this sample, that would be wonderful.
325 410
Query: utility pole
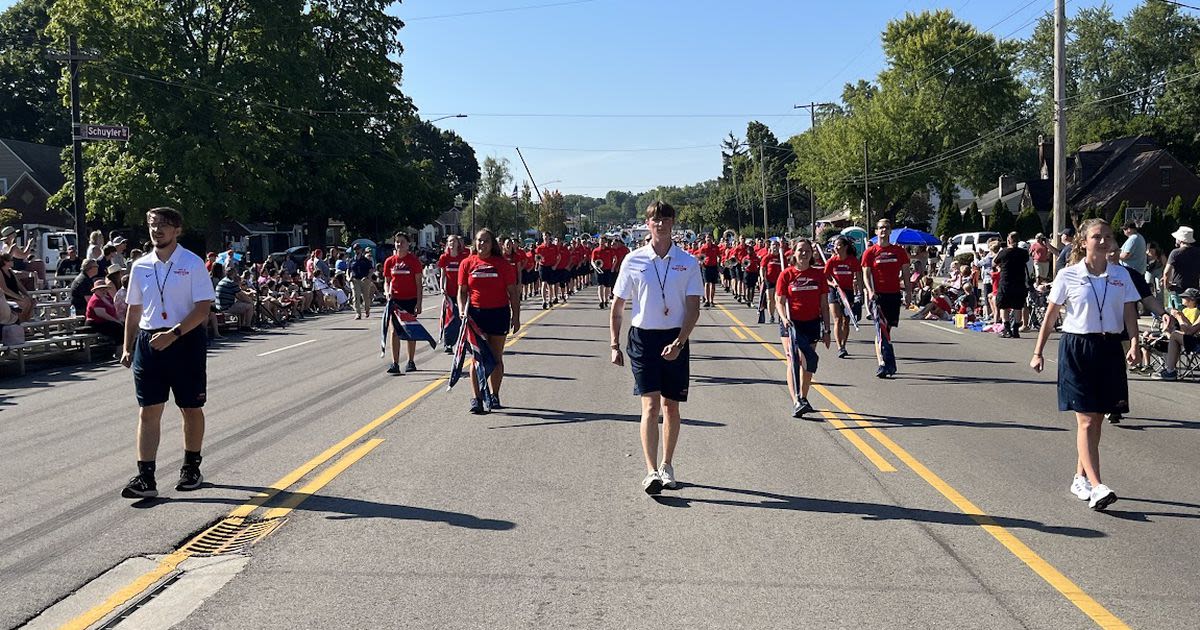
74 59
866 186
532 183
737 206
787 183
762 176
812 201
1060 116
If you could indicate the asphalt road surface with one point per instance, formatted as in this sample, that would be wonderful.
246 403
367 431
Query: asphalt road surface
937 499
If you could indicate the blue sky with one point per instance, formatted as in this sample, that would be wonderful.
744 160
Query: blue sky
703 68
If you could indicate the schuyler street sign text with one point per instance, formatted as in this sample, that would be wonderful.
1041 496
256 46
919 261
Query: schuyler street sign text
103 132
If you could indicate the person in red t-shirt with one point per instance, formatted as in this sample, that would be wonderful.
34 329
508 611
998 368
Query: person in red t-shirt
604 261
734 257
528 273
772 265
546 256
709 254
802 302
750 265
402 281
884 267
448 263
489 294
843 270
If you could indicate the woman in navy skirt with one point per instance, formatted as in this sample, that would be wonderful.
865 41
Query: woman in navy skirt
1097 301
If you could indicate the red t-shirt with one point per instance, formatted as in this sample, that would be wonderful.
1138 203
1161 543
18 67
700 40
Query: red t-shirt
487 280
622 252
549 254
753 259
402 276
578 254
803 290
772 266
843 270
96 303
449 264
710 254
564 257
607 257
942 303
737 253
885 263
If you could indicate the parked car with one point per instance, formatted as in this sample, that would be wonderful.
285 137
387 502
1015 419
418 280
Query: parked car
970 242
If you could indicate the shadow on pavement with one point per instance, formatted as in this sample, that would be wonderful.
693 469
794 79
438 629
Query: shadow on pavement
868 511
341 508
1159 423
547 377
557 355
551 417
904 359
887 422
964 380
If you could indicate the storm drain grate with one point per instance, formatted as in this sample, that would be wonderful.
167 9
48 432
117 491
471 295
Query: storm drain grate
231 535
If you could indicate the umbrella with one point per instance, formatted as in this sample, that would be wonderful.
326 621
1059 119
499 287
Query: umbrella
908 236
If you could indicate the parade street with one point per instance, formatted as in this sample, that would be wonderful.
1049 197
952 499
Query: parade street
935 499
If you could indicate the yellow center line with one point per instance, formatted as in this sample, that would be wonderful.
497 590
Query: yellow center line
863 447
170 562
738 332
1061 583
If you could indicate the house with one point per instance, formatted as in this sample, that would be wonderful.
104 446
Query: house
839 220
29 175
260 239
447 223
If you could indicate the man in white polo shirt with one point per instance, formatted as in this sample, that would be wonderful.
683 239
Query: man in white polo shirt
169 297
664 284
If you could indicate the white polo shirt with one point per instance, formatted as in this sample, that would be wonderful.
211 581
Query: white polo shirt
657 288
1093 304
172 288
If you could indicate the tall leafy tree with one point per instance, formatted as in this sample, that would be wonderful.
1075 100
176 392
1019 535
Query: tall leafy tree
33 110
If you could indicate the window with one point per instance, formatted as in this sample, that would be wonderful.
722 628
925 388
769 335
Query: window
1164 176
970 240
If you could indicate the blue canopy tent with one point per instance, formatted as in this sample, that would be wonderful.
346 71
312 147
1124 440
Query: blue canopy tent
909 237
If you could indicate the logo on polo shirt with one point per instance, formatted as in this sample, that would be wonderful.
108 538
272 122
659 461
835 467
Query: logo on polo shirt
680 268
183 272
886 257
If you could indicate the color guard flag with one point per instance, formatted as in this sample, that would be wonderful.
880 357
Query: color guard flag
449 324
472 342
404 325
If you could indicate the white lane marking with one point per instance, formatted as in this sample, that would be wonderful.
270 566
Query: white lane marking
295 345
943 328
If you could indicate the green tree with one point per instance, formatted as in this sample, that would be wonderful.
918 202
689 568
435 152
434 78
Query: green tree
33 110
552 217
1028 223
972 220
494 208
1119 218
949 221
1001 219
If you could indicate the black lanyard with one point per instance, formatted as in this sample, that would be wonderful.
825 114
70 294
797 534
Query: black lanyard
662 282
161 285
1099 300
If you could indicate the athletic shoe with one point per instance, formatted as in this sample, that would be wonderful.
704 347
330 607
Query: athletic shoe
1113 418
796 410
891 371
1102 497
1016 333
477 407
545 305
882 372
1166 375
1081 487
448 350
394 368
494 401
652 484
358 317
842 354
411 366
804 407
554 301
601 305
189 478
667 474
140 488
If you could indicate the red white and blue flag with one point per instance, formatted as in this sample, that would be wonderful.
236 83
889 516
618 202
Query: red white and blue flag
472 342
883 335
404 325
450 323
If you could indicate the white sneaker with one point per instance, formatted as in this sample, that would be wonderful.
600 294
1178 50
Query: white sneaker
652 484
1081 487
667 475
1102 497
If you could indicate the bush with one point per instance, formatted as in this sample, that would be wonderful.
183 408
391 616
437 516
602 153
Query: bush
1028 223
1001 220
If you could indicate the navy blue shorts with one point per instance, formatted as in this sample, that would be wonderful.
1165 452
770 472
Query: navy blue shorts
889 305
711 274
180 369
608 279
653 374
494 322
1091 374
528 277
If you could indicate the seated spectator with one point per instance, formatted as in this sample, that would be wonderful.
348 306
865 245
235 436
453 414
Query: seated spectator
101 312
70 264
118 280
232 300
81 286
938 307
331 298
925 292
14 290
11 333
1185 337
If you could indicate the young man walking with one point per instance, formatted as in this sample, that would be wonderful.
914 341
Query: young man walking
169 298
883 267
665 286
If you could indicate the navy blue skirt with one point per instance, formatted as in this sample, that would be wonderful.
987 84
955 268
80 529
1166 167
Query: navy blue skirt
1091 374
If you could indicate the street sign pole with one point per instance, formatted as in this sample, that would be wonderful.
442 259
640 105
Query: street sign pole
77 148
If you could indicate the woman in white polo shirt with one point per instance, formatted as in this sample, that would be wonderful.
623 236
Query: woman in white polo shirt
1098 299
665 285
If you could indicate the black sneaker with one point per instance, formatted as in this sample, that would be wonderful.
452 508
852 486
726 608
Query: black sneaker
189 479
796 412
882 372
140 488
394 369
411 366
545 305
804 406
448 350
1114 418
477 407
842 354
494 401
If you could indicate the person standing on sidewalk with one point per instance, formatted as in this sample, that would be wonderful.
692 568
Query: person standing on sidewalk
360 281
883 267
169 298
665 285
1098 299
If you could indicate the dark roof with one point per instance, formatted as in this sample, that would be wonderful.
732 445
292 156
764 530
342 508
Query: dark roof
1099 160
43 160
1125 171
1041 194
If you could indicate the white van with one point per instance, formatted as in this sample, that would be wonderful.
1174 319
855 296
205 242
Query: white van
970 242
49 243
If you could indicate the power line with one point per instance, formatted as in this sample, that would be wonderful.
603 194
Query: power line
1180 4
